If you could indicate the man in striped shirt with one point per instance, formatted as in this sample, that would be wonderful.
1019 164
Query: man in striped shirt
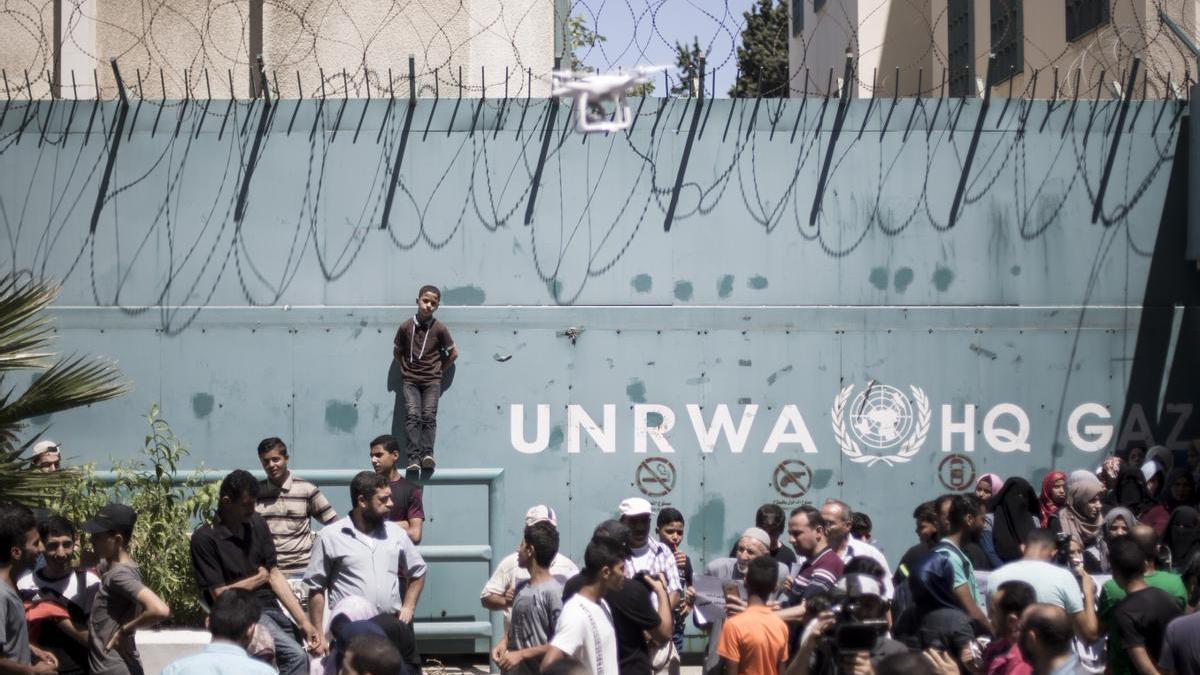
287 503
821 567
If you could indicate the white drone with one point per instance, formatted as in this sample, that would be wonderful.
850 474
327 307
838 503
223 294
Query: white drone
593 90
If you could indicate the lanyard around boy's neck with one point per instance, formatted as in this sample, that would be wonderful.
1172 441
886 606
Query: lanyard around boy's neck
412 338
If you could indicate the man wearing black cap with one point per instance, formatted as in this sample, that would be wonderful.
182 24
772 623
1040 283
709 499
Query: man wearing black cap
123 604
237 551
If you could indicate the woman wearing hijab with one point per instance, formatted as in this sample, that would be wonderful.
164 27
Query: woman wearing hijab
1164 457
1054 495
1178 490
1081 475
1130 491
1015 511
1158 514
1118 522
988 486
1082 520
1182 536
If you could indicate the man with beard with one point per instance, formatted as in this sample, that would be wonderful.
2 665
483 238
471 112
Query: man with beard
358 556
753 543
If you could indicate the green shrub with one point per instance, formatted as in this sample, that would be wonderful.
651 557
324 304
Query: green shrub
167 513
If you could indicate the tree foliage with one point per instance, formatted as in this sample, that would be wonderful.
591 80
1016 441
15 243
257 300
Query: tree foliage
763 55
687 62
581 40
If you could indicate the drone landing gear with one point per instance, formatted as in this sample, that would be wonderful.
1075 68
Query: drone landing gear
593 117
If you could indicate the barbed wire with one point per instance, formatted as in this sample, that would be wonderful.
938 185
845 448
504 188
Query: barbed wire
176 49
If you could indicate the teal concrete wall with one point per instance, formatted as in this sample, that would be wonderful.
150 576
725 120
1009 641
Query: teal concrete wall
935 247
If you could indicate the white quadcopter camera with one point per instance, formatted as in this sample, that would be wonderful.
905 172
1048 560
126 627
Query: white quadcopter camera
593 90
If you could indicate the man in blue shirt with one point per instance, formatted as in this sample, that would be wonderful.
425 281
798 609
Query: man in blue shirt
234 615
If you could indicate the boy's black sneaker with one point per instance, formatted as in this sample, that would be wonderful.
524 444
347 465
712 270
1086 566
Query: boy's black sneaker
427 462
413 467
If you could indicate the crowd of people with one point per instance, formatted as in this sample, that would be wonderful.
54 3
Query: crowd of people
1095 572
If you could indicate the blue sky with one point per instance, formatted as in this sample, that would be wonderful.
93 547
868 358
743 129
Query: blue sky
645 32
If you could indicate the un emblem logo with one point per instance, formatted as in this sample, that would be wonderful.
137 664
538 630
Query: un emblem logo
880 418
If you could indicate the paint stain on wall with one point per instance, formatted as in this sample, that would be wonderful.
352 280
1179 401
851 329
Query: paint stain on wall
556 437
757 282
683 291
775 375
341 416
463 295
725 286
642 283
554 286
202 405
654 419
636 391
903 278
942 278
1015 270
879 278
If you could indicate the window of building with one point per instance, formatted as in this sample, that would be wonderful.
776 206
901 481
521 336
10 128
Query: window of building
797 17
960 42
1008 39
1083 16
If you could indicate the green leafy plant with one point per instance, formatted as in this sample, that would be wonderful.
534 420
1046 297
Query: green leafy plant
168 509
58 384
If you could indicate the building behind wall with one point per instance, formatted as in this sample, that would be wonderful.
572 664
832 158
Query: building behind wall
182 49
943 46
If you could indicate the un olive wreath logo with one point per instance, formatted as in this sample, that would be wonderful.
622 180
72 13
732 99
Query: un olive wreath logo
882 418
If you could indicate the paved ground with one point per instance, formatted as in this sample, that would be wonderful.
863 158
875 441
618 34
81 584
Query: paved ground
160 648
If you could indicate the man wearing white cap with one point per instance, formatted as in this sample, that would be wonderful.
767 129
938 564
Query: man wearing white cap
498 592
753 543
46 456
648 555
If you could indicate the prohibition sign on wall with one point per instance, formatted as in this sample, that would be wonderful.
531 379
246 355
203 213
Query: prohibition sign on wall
655 477
792 478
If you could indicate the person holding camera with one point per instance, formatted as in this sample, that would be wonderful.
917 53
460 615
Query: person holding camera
1047 566
849 633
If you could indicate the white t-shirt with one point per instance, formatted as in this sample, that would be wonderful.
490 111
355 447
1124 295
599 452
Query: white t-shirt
1052 584
585 631
34 587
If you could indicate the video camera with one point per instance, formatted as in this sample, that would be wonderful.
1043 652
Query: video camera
851 631
1062 550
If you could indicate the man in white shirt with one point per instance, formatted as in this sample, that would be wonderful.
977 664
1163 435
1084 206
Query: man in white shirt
498 592
1053 585
584 629
647 555
836 515
361 555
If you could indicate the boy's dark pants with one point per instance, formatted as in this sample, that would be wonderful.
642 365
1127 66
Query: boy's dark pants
421 404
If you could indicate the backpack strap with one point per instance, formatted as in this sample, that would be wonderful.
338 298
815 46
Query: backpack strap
946 546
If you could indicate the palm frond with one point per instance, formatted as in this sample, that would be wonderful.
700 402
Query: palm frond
70 383
21 484
25 331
